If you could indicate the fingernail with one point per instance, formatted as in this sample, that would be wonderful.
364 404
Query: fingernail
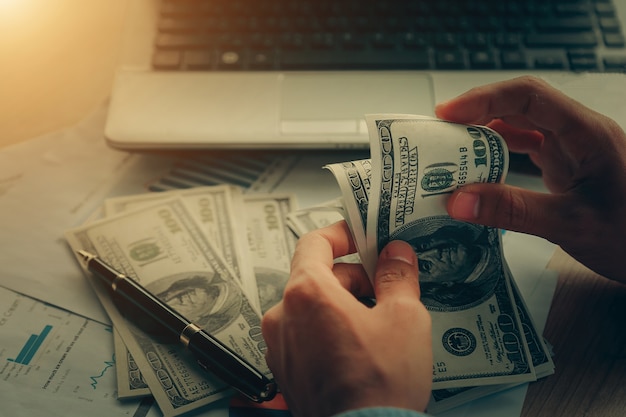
466 206
400 251
441 105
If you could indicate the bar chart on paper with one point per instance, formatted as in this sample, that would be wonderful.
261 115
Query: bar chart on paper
41 344
49 353
31 347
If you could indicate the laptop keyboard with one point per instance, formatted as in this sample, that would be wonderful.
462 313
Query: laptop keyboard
575 35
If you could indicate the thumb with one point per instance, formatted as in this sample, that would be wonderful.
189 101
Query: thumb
508 207
396 272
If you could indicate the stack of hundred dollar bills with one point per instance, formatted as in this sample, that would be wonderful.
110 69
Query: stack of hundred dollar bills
484 338
221 258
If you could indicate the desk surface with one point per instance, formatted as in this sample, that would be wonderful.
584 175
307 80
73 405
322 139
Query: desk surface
587 328
62 65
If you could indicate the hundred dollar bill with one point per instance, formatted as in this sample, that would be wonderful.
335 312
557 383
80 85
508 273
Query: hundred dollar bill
217 209
540 354
271 243
163 248
354 182
416 162
354 179
445 399
304 220
130 381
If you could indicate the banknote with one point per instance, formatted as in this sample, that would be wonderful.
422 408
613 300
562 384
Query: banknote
130 381
217 209
354 179
315 217
271 243
304 220
540 353
164 248
445 399
416 162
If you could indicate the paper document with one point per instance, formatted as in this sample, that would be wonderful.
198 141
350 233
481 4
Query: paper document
55 359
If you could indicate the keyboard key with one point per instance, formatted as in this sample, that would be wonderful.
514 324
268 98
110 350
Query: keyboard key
353 60
383 40
412 40
198 60
609 24
230 59
262 40
564 24
349 40
293 41
614 40
574 8
322 40
483 60
605 9
615 63
261 59
181 41
510 40
514 59
166 60
446 40
550 62
543 40
477 40
170 25
450 60
583 63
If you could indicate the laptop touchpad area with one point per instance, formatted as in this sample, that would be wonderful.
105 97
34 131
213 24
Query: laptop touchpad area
334 103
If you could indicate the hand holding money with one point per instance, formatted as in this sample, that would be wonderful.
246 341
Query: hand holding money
479 337
351 356
482 338
582 156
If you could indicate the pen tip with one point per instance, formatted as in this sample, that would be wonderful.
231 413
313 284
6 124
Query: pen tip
85 256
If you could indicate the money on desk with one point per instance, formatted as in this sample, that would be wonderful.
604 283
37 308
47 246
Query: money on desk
171 243
221 257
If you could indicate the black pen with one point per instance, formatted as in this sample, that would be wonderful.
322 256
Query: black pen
212 355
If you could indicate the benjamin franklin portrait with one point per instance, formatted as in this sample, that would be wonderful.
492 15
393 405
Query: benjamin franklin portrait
459 263
202 297
271 284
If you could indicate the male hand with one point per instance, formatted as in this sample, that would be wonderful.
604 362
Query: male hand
329 352
582 155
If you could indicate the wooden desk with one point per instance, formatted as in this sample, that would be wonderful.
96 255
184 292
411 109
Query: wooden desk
587 327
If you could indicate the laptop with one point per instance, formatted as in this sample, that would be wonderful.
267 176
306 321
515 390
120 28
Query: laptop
301 74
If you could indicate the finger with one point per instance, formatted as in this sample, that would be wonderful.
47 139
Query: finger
539 105
511 208
396 273
518 139
340 236
354 279
320 247
271 334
